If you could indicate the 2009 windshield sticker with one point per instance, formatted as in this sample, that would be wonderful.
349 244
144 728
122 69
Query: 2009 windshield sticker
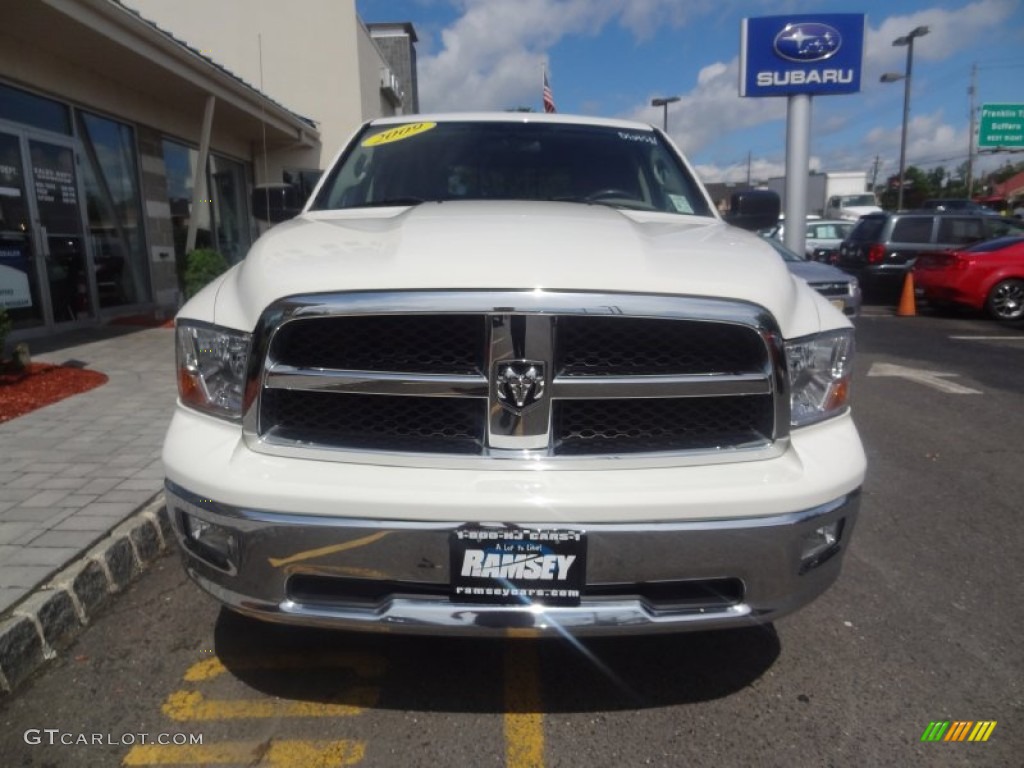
398 134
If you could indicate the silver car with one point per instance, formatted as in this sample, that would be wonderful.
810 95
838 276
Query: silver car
837 286
822 237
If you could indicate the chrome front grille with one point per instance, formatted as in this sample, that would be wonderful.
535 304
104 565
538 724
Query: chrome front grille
528 376
834 288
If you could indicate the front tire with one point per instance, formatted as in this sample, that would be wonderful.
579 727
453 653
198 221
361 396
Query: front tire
1006 301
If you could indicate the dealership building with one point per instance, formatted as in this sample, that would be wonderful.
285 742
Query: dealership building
131 132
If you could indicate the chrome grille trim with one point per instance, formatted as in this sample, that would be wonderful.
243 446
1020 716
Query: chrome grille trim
281 376
832 288
523 440
563 387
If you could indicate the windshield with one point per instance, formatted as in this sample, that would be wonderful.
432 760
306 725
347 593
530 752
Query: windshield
868 228
995 245
419 162
860 200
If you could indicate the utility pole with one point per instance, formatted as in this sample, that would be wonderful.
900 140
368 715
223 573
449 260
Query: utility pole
749 154
874 172
970 132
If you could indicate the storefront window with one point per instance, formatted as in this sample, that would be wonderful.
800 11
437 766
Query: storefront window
19 287
223 218
180 162
114 211
20 106
230 208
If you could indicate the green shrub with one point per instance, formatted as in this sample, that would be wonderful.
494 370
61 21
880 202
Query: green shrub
201 266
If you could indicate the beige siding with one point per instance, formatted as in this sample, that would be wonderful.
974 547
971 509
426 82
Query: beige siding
318 59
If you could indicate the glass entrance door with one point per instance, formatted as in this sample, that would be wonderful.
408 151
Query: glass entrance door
44 276
20 292
59 230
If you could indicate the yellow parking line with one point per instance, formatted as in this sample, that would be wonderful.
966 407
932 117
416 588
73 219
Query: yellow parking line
524 719
276 754
192 705
364 665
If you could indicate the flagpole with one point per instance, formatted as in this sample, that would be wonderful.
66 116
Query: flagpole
543 83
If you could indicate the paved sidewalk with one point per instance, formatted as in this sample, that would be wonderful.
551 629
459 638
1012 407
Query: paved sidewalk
73 471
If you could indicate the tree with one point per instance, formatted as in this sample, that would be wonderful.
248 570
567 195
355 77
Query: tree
917 189
937 180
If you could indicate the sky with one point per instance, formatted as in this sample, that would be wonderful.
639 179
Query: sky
609 58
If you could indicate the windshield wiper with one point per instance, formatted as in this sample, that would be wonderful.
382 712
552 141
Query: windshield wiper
628 204
389 202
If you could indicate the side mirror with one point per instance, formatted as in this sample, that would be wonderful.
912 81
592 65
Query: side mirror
754 209
275 202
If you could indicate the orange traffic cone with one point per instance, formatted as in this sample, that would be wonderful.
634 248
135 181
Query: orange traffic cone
907 307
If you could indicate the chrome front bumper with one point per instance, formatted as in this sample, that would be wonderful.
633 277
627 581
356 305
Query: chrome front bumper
271 553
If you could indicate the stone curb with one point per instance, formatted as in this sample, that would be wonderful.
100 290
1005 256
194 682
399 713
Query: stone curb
35 629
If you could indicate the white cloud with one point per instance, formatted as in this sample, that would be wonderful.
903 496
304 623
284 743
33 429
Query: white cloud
697 119
491 57
759 171
949 32
478 69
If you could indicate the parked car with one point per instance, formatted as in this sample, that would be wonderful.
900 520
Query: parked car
883 246
823 236
841 289
987 276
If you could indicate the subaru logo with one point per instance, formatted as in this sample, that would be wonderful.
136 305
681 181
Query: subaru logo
807 42
519 384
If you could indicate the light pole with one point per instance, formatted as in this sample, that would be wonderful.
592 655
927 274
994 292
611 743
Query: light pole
892 77
663 103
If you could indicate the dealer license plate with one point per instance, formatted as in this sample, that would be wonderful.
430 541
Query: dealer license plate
516 566
839 304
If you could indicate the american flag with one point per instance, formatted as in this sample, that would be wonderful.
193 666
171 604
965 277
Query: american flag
549 100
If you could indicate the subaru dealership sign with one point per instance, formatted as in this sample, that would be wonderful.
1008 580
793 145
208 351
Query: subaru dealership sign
813 54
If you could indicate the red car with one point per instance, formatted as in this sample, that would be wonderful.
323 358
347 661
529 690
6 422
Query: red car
987 275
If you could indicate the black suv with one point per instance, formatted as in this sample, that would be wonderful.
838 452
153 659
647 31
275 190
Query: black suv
883 246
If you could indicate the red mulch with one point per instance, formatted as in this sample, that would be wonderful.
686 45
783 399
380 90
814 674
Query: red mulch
42 384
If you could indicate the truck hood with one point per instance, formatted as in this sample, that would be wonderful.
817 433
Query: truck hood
508 246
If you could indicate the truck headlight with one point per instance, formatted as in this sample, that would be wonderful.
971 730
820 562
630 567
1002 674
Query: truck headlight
212 363
820 369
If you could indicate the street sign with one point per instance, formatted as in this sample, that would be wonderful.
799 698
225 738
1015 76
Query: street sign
1002 125
812 54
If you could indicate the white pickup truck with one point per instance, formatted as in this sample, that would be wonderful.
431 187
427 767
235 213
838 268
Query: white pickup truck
513 372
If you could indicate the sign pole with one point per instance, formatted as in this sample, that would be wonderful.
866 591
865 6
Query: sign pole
798 142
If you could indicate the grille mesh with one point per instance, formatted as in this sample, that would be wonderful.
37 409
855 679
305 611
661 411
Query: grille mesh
420 424
626 346
588 427
396 343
